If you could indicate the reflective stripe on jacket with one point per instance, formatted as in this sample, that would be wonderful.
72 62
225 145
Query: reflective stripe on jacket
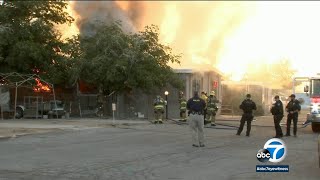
159 104
183 105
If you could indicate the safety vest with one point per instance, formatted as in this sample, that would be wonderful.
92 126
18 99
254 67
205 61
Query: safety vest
159 104
183 104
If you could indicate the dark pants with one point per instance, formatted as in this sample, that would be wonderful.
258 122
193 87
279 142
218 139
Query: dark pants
294 118
245 118
277 119
205 114
183 115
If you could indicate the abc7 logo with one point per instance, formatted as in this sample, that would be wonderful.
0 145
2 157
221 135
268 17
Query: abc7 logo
263 155
274 151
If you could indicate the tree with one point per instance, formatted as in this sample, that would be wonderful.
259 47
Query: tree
282 73
115 61
278 75
29 42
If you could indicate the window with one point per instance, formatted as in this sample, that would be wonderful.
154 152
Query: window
315 87
195 85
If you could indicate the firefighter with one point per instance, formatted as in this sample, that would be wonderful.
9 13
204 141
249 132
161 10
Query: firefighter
183 109
277 112
196 106
212 108
181 95
159 104
204 97
293 108
247 106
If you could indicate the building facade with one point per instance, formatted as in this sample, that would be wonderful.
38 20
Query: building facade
234 93
139 104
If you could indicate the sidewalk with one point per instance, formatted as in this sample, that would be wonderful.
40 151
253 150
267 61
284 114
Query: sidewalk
19 127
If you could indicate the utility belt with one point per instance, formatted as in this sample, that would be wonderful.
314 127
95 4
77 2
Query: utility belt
195 113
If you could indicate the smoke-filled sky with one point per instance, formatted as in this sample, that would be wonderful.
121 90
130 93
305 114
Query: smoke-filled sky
225 35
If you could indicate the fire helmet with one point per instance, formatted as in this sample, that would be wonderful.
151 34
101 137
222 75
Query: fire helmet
212 93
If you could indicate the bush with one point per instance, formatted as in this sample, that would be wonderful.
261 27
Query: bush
259 111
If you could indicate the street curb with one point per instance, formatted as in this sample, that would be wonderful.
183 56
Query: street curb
4 137
12 137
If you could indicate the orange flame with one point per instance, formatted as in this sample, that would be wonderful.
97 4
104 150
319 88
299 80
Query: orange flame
41 87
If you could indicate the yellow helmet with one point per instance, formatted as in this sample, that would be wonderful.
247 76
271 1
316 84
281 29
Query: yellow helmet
212 93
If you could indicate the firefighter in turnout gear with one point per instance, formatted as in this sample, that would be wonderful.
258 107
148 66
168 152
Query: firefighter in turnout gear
159 104
183 109
212 108
247 106
204 97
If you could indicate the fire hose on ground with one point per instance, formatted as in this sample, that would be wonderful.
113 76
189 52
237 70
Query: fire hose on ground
226 125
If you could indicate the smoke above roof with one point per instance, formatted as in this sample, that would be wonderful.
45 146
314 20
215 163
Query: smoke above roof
93 13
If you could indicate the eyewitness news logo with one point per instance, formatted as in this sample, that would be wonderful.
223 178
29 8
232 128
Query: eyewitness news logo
272 168
274 151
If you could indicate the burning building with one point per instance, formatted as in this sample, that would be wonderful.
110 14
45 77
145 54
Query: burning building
218 35
138 104
234 92
194 80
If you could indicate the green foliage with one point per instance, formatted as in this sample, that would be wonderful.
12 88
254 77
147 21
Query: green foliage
234 95
283 74
29 43
120 62
108 57
279 74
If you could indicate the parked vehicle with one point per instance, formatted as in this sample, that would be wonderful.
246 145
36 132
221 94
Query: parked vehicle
32 107
313 92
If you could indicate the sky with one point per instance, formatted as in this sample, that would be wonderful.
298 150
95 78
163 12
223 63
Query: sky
229 36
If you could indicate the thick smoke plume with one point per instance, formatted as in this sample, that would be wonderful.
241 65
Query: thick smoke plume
230 36
92 12
195 29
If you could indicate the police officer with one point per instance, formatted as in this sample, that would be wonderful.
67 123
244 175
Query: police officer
247 106
277 112
159 104
183 109
293 108
212 108
196 106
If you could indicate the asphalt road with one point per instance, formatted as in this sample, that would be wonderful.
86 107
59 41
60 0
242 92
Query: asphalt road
147 152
